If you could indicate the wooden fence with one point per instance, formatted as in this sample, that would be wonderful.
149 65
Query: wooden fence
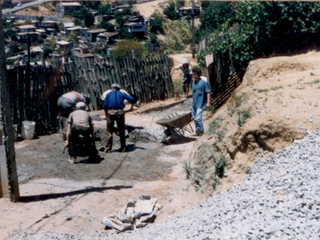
223 78
34 92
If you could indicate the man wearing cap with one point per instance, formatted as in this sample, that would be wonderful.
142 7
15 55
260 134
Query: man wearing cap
113 105
67 104
186 77
133 103
80 123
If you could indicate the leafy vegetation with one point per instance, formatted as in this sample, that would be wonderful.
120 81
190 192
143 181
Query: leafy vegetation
213 126
187 170
124 48
156 24
171 11
215 183
243 116
252 29
220 167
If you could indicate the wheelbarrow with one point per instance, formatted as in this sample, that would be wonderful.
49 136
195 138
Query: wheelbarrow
175 125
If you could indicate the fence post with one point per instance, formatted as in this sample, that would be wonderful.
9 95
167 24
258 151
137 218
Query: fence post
9 186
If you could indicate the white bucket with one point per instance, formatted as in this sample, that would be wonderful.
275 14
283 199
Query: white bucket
27 129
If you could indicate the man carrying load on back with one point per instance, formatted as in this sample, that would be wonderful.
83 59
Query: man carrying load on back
67 104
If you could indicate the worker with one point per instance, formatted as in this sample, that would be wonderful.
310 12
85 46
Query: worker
201 99
135 102
67 104
113 105
186 75
80 123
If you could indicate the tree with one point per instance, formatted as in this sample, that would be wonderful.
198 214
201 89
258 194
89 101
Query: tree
216 14
46 51
123 49
156 23
73 38
6 4
89 19
14 48
52 44
171 12
78 22
106 25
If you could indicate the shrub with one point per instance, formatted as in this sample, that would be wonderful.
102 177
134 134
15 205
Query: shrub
156 24
243 116
124 48
220 167
171 11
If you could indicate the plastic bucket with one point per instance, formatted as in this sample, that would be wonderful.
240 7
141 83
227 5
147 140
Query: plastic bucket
27 129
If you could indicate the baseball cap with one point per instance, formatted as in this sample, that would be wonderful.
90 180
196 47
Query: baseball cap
115 85
81 105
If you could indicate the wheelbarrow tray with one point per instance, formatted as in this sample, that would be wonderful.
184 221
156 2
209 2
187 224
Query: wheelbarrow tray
176 120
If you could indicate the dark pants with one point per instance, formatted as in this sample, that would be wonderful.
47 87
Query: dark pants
74 137
115 116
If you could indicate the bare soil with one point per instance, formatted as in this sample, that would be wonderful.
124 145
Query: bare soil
59 197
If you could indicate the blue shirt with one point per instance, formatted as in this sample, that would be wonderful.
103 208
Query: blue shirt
200 90
115 100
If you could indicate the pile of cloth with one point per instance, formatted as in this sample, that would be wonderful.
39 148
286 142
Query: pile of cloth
137 213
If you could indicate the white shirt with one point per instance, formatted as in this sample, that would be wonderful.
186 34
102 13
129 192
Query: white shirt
103 96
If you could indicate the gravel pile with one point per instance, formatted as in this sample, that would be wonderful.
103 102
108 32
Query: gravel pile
279 199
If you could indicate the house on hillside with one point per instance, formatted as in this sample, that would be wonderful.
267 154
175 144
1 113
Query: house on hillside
64 8
82 51
135 28
108 37
187 11
23 36
62 44
47 24
91 35
42 33
27 28
36 52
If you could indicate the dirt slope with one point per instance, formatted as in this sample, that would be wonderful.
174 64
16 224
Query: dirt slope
282 95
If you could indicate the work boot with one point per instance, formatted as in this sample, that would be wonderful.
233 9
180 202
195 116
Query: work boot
123 149
200 133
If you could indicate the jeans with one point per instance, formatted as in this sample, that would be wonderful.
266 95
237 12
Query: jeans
197 117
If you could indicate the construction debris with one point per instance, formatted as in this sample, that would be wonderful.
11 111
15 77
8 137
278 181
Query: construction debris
136 214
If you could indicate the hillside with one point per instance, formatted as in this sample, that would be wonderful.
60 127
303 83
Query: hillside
281 95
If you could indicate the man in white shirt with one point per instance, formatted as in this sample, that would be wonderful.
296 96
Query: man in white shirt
186 77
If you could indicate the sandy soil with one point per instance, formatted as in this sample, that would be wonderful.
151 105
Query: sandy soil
282 95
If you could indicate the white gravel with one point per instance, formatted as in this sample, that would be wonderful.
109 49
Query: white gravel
280 199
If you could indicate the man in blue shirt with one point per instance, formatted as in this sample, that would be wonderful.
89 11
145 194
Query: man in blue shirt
113 105
201 99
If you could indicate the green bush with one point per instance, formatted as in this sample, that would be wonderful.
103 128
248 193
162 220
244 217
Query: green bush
156 24
171 11
220 167
124 48
252 29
